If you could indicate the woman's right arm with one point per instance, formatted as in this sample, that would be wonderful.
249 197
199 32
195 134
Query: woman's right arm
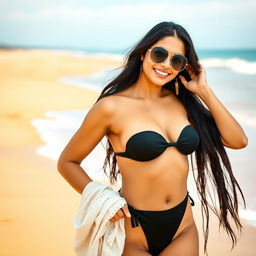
94 127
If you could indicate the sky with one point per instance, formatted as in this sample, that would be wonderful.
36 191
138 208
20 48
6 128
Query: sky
115 24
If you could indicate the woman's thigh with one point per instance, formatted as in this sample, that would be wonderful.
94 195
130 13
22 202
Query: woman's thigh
185 244
134 250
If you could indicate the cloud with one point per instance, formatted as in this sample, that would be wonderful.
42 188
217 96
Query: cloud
185 11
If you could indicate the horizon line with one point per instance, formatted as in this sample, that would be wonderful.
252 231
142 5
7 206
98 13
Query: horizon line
8 46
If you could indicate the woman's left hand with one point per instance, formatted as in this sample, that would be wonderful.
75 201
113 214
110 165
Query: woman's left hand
198 83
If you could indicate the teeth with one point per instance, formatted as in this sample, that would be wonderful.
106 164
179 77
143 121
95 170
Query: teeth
161 73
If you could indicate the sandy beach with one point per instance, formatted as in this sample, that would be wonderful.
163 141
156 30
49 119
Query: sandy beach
37 204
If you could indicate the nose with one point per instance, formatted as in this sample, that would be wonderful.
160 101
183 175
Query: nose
166 64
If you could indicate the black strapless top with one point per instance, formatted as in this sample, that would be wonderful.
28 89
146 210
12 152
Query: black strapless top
148 145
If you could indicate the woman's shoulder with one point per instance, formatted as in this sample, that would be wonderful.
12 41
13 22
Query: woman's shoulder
112 104
115 106
105 105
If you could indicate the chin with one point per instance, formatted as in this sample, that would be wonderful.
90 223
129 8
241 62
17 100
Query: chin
160 83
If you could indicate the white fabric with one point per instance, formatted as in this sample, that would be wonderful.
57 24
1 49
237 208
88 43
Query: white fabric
95 235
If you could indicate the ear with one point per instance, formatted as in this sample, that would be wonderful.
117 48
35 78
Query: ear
141 57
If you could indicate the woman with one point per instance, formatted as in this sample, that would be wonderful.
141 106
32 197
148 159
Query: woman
155 113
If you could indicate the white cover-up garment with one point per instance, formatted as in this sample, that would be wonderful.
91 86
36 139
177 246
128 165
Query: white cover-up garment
95 235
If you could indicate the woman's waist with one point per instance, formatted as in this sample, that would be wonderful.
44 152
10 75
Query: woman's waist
154 197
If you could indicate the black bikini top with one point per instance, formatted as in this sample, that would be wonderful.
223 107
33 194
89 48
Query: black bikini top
147 145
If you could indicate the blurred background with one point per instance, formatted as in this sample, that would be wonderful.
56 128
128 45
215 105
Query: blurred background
55 58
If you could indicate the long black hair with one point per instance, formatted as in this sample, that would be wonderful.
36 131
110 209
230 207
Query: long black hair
213 165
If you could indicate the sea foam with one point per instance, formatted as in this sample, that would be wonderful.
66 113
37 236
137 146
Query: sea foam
235 64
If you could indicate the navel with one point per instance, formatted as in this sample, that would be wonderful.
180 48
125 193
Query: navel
167 200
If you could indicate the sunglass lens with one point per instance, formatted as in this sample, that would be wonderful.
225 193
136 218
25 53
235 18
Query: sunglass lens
179 62
158 54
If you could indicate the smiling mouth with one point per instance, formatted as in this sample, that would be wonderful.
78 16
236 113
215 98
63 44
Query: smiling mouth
161 73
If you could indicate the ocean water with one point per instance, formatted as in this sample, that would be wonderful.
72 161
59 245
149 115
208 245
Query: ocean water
230 73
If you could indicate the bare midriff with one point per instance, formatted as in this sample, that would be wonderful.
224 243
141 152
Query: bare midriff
158 184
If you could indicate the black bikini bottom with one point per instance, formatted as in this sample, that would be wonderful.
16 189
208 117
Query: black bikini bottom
159 226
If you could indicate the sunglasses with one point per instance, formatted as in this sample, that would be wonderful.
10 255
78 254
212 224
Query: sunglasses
177 61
